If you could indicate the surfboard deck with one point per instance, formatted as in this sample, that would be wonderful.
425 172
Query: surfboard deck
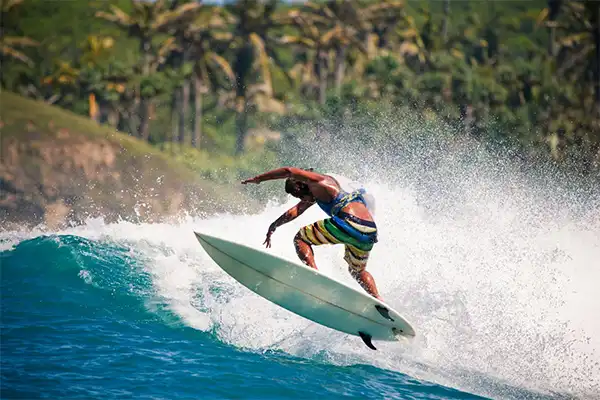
307 292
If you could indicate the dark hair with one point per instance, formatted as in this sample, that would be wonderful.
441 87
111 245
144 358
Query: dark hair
296 188
289 186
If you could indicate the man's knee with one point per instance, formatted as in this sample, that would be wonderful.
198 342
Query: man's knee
355 267
356 271
300 240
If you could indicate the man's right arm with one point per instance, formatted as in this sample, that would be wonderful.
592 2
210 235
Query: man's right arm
290 214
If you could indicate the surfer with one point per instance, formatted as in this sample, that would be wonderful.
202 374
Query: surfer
350 223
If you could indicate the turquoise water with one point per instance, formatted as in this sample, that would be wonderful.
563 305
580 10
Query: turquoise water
76 324
503 299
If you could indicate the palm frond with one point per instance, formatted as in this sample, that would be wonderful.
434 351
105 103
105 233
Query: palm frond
118 16
330 35
262 57
571 40
187 11
264 102
298 40
10 52
542 17
167 46
223 65
18 41
6 5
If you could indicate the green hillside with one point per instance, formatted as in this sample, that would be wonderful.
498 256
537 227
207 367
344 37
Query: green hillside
58 166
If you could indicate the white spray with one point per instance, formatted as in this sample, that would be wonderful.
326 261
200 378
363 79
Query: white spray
499 275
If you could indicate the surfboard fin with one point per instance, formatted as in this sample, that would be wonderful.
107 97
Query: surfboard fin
367 339
385 313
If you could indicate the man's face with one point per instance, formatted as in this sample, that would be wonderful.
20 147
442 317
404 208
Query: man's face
301 191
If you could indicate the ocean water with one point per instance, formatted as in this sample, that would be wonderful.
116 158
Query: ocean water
497 268
503 297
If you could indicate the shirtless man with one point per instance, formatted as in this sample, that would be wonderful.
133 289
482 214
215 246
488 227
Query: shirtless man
350 222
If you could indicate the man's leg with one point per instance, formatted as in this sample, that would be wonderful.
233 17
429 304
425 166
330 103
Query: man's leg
304 251
357 263
314 234
365 279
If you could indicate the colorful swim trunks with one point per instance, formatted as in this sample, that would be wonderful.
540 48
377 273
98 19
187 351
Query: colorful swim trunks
358 237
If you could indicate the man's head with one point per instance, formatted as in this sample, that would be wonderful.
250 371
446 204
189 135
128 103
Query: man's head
296 188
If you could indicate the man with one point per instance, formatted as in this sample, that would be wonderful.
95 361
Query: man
350 222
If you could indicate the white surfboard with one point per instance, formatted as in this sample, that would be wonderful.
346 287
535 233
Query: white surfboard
307 292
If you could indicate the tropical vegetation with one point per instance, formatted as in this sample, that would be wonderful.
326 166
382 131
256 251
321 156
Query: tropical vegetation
192 77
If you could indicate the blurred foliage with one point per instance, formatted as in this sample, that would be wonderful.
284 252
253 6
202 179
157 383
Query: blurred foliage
517 75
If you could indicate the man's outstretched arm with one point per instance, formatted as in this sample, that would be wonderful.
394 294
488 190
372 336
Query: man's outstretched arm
290 214
284 173
286 217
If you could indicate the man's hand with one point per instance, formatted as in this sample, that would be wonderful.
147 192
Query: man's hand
251 180
286 217
267 242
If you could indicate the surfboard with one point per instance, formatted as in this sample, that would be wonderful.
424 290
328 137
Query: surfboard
308 292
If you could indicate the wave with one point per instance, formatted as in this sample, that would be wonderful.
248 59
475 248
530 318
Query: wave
495 266
496 314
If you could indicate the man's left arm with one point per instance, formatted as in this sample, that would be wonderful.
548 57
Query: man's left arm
290 214
286 217
286 172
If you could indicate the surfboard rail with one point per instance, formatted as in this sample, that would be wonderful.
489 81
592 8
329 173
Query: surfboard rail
308 292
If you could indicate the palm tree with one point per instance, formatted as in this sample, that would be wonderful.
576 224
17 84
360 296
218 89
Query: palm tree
379 22
253 47
179 60
339 27
413 40
446 21
578 42
95 51
383 19
207 37
313 68
9 44
146 22
552 12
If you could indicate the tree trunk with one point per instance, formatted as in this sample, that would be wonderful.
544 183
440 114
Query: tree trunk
144 128
554 7
122 121
466 115
197 134
113 117
241 125
185 102
340 69
242 69
174 114
103 109
552 41
144 110
445 21
322 73
185 92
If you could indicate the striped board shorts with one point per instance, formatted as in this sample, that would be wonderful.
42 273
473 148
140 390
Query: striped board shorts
327 231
